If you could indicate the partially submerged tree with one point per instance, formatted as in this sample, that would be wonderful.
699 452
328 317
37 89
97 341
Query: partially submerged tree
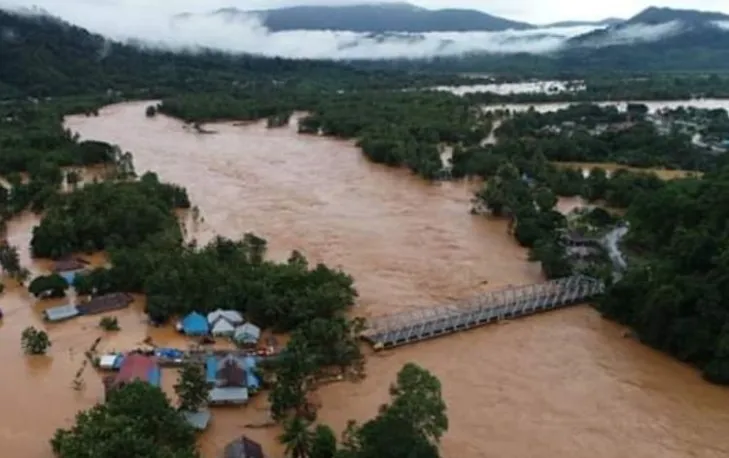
10 263
297 437
192 388
34 341
109 323
9 259
136 420
411 425
52 285
323 443
292 371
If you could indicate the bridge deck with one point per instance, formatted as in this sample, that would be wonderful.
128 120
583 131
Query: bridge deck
422 324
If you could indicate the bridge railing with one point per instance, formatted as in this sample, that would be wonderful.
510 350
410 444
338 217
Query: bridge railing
512 301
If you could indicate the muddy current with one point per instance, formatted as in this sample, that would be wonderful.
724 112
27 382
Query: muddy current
565 384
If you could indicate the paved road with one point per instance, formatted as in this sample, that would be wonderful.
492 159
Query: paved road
611 242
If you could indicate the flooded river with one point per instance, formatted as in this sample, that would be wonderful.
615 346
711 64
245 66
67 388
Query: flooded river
564 384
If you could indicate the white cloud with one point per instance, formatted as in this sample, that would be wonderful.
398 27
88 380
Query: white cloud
636 33
247 34
535 11
151 22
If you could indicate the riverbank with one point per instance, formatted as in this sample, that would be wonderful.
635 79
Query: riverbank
408 244
380 225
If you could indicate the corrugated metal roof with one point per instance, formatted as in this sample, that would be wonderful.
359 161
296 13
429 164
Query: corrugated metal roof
231 316
247 332
243 448
63 312
198 420
228 395
139 367
223 327
108 361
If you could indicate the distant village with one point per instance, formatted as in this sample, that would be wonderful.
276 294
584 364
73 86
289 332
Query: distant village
707 129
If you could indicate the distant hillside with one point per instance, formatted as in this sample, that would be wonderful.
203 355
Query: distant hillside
379 18
41 55
657 39
602 23
665 30
654 15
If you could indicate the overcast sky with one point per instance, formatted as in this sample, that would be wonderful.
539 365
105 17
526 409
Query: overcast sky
536 11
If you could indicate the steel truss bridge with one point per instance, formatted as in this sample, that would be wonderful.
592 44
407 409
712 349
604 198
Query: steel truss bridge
514 302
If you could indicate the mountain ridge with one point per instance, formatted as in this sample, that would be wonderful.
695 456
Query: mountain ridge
577 23
677 28
379 18
42 55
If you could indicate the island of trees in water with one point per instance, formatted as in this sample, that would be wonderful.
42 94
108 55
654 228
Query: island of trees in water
672 295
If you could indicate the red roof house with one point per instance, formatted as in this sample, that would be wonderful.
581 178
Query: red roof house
137 367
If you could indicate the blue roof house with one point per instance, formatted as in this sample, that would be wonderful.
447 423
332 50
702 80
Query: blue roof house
194 324
249 363
214 364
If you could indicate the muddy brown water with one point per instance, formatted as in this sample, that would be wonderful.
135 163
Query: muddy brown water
564 384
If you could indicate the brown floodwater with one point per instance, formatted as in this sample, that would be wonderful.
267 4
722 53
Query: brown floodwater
565 384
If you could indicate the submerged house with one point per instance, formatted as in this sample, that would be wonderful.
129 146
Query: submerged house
69 268
243 448
223 322
233 378
106 303
61 313
194 324
198 420
247 334
231 316
111 361
230 384
135 366
222 327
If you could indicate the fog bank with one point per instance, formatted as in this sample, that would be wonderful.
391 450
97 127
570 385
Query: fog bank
245 33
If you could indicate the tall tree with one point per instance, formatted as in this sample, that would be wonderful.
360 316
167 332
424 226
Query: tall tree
416 398
323 443
192 388
136 420
410 426
296 437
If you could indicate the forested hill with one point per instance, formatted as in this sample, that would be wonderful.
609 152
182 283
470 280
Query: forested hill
656 39
380 18
42 56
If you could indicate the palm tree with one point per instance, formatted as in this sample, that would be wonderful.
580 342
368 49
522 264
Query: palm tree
296 437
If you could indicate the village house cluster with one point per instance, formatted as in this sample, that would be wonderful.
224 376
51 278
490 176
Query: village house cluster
231 374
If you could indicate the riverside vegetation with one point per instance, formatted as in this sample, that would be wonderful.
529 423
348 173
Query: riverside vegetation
391 128
672 295
313 304
132 218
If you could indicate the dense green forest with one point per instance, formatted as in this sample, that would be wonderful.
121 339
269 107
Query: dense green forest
674 294
47 57
590 133
108 215
33 141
